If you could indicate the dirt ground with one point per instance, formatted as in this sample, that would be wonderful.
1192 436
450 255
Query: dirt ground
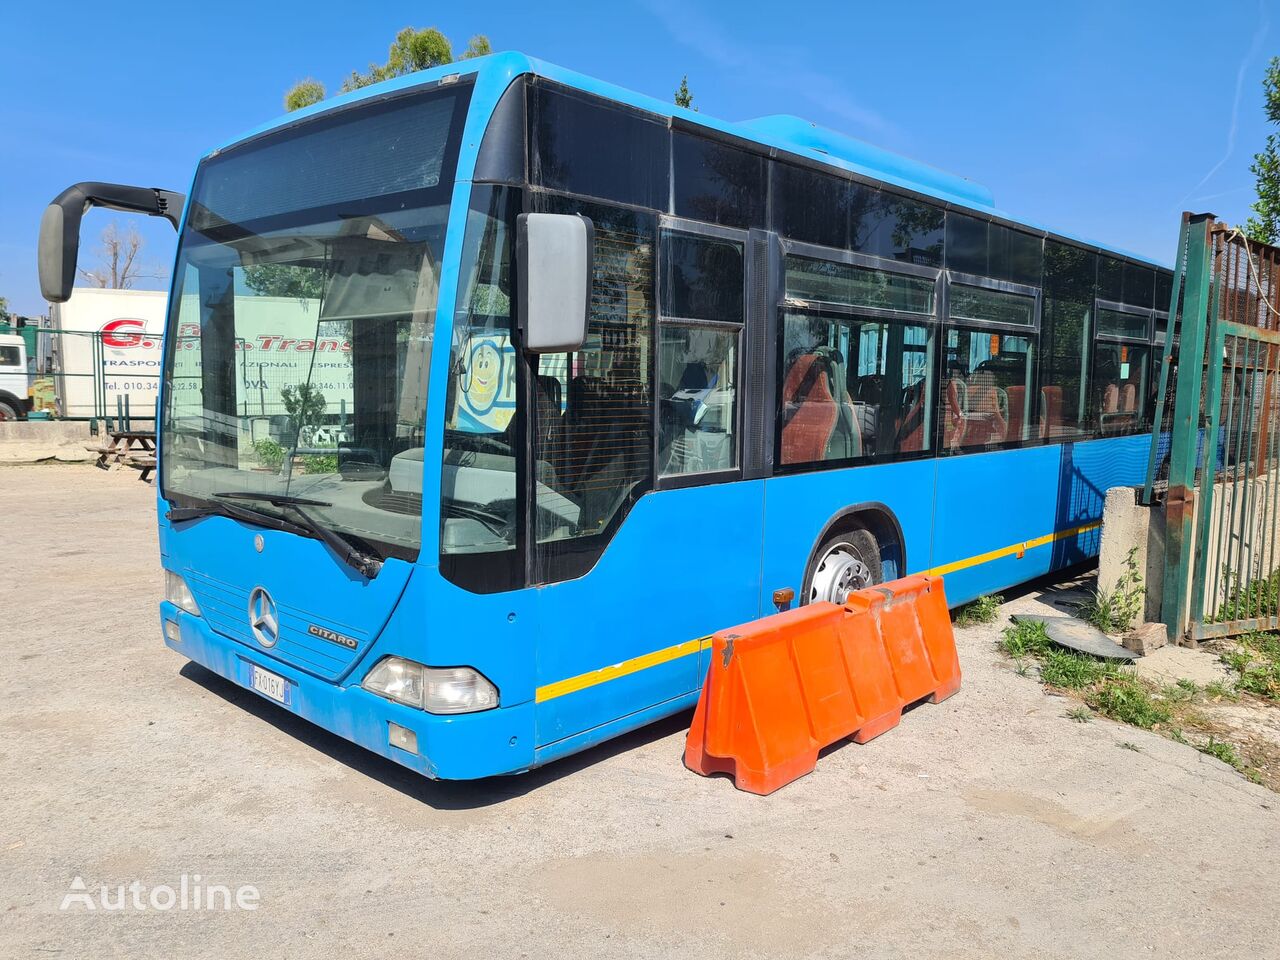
988 826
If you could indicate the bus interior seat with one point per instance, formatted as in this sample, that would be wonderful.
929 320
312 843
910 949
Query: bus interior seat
846 439
1129 397
1050 412
910 432
1111 398
985 424
957 405
1015 415
809 411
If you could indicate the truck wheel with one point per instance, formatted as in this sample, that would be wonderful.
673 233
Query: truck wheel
844 562
9 410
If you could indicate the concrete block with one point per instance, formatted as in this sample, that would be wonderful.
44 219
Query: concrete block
1145 638
1127 525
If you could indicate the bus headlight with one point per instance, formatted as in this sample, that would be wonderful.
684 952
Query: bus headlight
179 594
442 690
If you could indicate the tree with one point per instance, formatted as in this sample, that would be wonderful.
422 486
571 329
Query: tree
304 404
683 97
284 280
119 266
411 51
4 310
1265 226
303 94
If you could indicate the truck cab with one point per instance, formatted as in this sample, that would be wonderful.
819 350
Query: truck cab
15 380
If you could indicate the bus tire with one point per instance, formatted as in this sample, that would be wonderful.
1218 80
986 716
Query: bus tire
846 560
10 409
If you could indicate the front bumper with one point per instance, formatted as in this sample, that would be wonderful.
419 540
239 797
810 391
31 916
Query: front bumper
463 747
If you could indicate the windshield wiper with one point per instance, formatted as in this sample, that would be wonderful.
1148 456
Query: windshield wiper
348 551
210 509
496 524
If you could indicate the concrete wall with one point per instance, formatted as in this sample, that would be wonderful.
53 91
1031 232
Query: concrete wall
46 431
34 441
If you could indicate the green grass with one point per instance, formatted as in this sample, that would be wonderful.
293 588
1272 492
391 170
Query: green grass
983 610
1117 611
1259 598
1124 698
1075 671
1080 714
1174 710
1255 659
1220 690
1223 751
1027 638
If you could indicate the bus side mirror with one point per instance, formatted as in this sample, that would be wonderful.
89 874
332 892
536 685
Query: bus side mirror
554 253
59 246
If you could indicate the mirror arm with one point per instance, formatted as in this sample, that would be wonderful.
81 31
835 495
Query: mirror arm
152 201
60 226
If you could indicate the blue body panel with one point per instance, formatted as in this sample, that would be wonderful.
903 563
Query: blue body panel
580 661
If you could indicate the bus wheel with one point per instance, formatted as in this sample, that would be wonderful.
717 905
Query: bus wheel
8 411
844 562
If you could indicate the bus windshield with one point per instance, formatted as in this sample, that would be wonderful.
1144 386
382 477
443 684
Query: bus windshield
302 317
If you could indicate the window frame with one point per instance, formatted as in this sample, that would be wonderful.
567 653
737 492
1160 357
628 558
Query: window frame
956 278
971 325
714 231
933 323
812 251
1129 310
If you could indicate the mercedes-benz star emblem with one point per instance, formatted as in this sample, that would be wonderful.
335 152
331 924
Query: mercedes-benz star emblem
263 619
258 542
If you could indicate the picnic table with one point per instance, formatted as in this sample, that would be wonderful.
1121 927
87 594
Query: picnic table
137 448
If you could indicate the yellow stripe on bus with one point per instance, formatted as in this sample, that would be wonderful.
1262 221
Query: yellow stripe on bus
604 674
1015 549
594 677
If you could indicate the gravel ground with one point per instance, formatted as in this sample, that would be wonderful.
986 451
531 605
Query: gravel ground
988 826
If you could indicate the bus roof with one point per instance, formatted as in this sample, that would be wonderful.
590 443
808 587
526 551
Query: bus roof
787 134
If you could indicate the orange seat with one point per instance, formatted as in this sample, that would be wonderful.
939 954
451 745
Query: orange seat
1017 417
809 410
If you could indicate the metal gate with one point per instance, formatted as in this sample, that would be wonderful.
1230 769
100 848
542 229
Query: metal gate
1218 413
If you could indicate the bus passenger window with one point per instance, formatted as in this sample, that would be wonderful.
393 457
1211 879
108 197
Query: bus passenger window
698 397
702 312
1120 388
984 397
852 388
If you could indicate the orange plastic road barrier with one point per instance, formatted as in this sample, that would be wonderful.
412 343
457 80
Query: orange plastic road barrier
781 688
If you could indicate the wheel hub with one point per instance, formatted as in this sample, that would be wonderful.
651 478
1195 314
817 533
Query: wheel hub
839 573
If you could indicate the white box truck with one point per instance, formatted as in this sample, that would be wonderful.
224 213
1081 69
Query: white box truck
107 345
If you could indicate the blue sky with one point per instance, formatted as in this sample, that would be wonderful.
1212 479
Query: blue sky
1100 119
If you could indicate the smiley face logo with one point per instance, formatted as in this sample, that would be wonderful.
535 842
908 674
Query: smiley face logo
486 374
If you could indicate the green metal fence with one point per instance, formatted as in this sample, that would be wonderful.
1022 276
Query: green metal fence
1218 415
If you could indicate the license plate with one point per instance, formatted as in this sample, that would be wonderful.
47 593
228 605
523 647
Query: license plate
266 682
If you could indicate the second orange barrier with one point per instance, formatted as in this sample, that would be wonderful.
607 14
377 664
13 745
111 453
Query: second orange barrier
781 688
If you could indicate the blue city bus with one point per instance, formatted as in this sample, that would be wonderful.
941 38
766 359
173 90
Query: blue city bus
491 391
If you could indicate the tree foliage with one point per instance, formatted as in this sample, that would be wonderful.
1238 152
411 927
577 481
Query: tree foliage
4 310
411 51
303 94
304 404
1265 225
683 97
284 280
